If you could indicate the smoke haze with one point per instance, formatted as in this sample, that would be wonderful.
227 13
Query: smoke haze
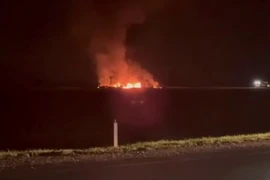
111 21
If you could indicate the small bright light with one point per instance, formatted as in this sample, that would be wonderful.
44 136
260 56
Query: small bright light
257 83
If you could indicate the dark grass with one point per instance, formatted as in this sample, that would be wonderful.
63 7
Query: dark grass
142 146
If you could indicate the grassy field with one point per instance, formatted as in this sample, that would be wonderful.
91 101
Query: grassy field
187 144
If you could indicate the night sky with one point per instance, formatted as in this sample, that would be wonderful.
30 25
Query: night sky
182 43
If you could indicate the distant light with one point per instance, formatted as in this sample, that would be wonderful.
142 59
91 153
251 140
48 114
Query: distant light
257 83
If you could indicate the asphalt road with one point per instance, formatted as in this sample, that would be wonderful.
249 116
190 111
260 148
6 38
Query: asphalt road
224 166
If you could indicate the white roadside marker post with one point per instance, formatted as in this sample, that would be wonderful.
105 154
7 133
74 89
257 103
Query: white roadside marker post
115 134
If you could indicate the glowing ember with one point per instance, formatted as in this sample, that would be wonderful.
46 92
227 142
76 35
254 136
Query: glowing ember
137 85
134 85
117 85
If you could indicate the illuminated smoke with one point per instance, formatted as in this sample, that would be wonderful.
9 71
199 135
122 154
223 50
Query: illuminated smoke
112 21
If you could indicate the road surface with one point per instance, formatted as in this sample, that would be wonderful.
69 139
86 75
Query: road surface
218 166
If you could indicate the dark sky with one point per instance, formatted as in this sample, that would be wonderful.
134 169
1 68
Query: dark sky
183 43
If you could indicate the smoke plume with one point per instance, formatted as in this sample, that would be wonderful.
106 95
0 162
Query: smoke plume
111 22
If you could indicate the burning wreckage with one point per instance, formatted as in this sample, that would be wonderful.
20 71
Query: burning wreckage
129 85
115 66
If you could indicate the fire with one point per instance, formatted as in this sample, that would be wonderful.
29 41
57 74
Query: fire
136 85
117 85
129 76
128 85
132 85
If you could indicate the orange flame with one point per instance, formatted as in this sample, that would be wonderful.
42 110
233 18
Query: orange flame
136 85
132 85
128 85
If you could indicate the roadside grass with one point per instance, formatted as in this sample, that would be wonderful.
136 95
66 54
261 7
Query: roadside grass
142 146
